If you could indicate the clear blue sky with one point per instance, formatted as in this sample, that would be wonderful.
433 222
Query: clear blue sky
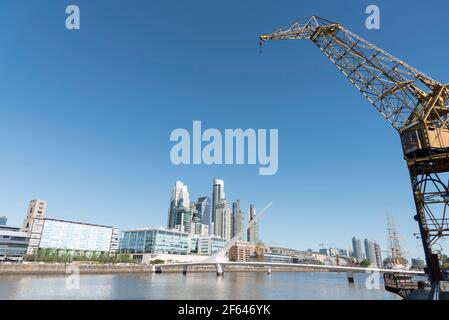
86 115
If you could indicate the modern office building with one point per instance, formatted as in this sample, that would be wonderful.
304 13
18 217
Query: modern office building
13 243
210 245
189 220
218 195
253 231
183 218
357 248
3 221
237 219
71 236
203 207
241 251
179 198
369 251
36 210
167 241
154 241
378 254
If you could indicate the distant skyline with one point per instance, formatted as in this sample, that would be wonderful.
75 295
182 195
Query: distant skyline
87 114
186 190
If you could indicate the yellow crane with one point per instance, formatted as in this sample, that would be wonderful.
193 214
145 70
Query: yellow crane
416 105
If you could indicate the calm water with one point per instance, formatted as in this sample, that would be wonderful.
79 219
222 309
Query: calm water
233 285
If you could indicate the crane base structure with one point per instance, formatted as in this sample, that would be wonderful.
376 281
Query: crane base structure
414 104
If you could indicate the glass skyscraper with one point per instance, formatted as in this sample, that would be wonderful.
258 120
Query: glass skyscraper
179 197
370 251
203 207
217 196
237 219
253 231
223 220
357 248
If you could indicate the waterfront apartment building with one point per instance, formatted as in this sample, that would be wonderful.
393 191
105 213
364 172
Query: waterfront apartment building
241 251
36 210
46 233
13 243
253 231
357 248
3 221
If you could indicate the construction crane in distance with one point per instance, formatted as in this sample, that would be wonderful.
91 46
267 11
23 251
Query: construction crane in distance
414 104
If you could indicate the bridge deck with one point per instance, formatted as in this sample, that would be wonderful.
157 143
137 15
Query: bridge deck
328 268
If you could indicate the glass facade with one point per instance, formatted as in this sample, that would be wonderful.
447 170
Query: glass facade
13 243
155 241
275 258
58 234
203 207
210 245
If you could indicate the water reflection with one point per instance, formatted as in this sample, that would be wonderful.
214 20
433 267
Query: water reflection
234 285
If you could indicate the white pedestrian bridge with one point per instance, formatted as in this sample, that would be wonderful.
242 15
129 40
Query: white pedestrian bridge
220 267
220 262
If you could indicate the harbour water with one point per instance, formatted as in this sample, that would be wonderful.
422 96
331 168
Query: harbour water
234 285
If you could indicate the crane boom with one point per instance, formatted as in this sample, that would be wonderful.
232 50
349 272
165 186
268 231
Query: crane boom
416 105
401 93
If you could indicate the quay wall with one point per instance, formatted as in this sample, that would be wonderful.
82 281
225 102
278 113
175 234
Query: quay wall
62 269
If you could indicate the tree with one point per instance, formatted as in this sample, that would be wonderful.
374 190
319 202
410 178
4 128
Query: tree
365 263
158 261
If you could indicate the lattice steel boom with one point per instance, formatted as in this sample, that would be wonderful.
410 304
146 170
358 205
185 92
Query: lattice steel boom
416 105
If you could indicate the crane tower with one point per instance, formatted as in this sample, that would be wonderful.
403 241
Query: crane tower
414 104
